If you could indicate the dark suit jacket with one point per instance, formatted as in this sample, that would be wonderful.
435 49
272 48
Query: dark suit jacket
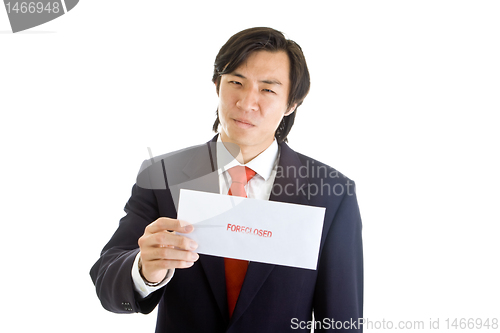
272 295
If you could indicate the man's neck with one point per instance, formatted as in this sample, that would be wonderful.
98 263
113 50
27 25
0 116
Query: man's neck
246 153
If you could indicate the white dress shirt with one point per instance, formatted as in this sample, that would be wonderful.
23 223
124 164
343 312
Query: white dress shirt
259 187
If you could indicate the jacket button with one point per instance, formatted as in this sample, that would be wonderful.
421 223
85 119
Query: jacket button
126 306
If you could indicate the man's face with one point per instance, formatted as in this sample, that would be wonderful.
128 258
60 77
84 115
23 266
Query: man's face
253 100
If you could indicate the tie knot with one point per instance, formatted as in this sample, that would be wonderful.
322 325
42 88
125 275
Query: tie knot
241 174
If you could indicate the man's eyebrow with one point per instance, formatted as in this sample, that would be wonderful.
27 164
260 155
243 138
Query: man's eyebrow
267 81
238 75
272 81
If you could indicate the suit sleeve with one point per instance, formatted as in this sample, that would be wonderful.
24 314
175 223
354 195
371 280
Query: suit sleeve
111 274
339 287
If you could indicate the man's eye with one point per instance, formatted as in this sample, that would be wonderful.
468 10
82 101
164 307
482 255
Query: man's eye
235 82
268 90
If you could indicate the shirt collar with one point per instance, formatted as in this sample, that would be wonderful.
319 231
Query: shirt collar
263 164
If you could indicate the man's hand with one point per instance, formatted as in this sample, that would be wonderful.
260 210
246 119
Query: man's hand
162 249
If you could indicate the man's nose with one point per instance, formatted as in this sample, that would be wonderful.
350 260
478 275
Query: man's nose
249 99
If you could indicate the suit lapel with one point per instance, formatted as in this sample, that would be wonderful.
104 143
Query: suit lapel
197 173
288 187
202 162
214 271
291 184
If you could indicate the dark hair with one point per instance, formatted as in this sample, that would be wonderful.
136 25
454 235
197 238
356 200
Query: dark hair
237 50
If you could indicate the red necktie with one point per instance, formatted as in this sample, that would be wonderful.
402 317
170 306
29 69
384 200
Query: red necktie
236 269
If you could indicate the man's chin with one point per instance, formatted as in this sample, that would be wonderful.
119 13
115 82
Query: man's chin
239 138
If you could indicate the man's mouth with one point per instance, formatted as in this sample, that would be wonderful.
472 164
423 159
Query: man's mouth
243 123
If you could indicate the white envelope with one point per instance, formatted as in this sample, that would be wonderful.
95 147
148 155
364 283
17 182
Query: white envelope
255 230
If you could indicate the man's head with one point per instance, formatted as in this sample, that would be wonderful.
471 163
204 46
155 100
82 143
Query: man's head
260 77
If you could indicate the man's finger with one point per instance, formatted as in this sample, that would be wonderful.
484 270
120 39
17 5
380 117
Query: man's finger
167 239
168 224
170 264
164 253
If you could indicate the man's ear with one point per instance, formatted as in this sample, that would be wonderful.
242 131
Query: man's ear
216 90
291 109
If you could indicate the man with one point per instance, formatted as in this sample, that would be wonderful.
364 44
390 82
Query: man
261 79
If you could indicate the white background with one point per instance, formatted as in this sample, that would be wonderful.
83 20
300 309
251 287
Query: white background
404 100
